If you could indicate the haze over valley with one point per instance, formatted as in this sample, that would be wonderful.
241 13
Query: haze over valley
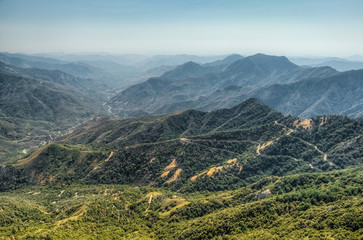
181 119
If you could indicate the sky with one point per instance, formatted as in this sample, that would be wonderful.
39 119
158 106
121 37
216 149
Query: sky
203 27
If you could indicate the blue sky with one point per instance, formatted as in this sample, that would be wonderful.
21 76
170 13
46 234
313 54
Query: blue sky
206 27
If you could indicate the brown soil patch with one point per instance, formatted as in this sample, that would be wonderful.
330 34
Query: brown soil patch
175 177
306 124
171 166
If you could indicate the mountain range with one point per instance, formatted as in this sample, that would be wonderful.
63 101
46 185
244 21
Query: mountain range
340 64
116 71
247 171
183 150
37 103
75 165
43 96
45 103
338 94
111 74
211 86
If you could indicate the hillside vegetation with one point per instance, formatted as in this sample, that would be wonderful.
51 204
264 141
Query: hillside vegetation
242 173
194 151
311 205
232 168
36 105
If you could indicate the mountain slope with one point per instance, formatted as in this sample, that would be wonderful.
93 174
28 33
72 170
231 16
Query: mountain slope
180 124
340 94
193 150
36 104
247 173
189 70
61 79
191 82
23 97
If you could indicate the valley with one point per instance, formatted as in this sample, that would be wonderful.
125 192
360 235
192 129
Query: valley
181 120
198 152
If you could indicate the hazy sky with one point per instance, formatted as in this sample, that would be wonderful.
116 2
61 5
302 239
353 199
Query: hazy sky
280 27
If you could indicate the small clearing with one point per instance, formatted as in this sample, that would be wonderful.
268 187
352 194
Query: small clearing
212 171
61 193
323 120
230 163
111 154
198 175
175 177
165 174
171 166
168 168
305 123
185 140
260 147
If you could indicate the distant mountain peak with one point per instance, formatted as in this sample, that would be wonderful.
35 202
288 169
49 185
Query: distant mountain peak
262 61
251 102
261 56
190 64
186 70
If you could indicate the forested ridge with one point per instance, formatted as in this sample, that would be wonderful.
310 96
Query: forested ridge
247 172
309 205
